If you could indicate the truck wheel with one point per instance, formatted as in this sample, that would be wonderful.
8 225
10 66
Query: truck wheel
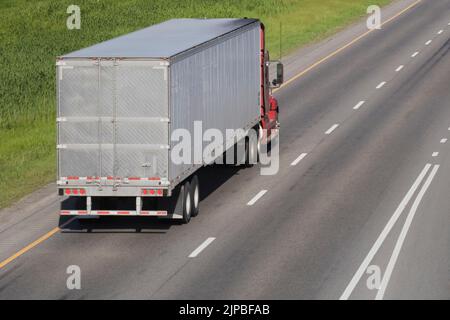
260 136
251 151
195 191
187 202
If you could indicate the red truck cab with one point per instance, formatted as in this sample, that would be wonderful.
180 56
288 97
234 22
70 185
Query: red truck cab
269 104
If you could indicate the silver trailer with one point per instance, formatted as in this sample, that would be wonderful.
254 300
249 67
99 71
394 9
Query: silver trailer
119 102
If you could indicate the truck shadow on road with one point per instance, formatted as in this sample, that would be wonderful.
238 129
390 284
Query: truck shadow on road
120 224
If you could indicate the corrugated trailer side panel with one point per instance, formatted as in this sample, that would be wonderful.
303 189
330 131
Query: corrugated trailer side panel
218 85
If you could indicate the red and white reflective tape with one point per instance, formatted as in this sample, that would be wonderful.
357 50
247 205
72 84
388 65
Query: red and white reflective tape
73 212
113 213
143 179
154 213
90 178
79 178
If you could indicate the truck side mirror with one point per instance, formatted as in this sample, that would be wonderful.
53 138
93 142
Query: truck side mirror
280 73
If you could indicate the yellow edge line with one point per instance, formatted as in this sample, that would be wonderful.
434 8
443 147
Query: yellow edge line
302 73
34 244
29 247
55 230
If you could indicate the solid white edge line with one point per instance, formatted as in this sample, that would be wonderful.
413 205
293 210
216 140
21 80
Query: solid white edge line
362 268
403 233
201 247
414 54
399 68
332 128
359 105
299 158
256 198
381 85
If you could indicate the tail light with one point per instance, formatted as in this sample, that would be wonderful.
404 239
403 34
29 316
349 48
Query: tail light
153 192
75 192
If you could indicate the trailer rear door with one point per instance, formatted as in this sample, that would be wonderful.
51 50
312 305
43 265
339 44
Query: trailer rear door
112 118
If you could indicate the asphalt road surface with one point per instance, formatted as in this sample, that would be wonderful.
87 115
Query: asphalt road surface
358 210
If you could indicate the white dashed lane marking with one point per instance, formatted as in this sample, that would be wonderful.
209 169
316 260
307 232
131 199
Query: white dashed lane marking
381 85
358 105
201 247
256 198
414 54
399 68
332 128
299 158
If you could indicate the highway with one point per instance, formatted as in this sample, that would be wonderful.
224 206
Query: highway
358 210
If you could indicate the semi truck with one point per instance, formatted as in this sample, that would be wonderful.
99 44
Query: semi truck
119 103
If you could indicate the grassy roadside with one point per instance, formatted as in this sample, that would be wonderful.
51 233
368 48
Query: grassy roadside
32 33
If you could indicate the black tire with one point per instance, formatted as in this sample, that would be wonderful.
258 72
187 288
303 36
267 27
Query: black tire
251 151
195 195
185 193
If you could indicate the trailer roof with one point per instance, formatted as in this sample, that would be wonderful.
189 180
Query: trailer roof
162 40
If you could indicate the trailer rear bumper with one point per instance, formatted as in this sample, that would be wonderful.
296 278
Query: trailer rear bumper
124 213
92 204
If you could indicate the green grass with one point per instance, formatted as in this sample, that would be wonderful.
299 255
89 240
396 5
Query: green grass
33 33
